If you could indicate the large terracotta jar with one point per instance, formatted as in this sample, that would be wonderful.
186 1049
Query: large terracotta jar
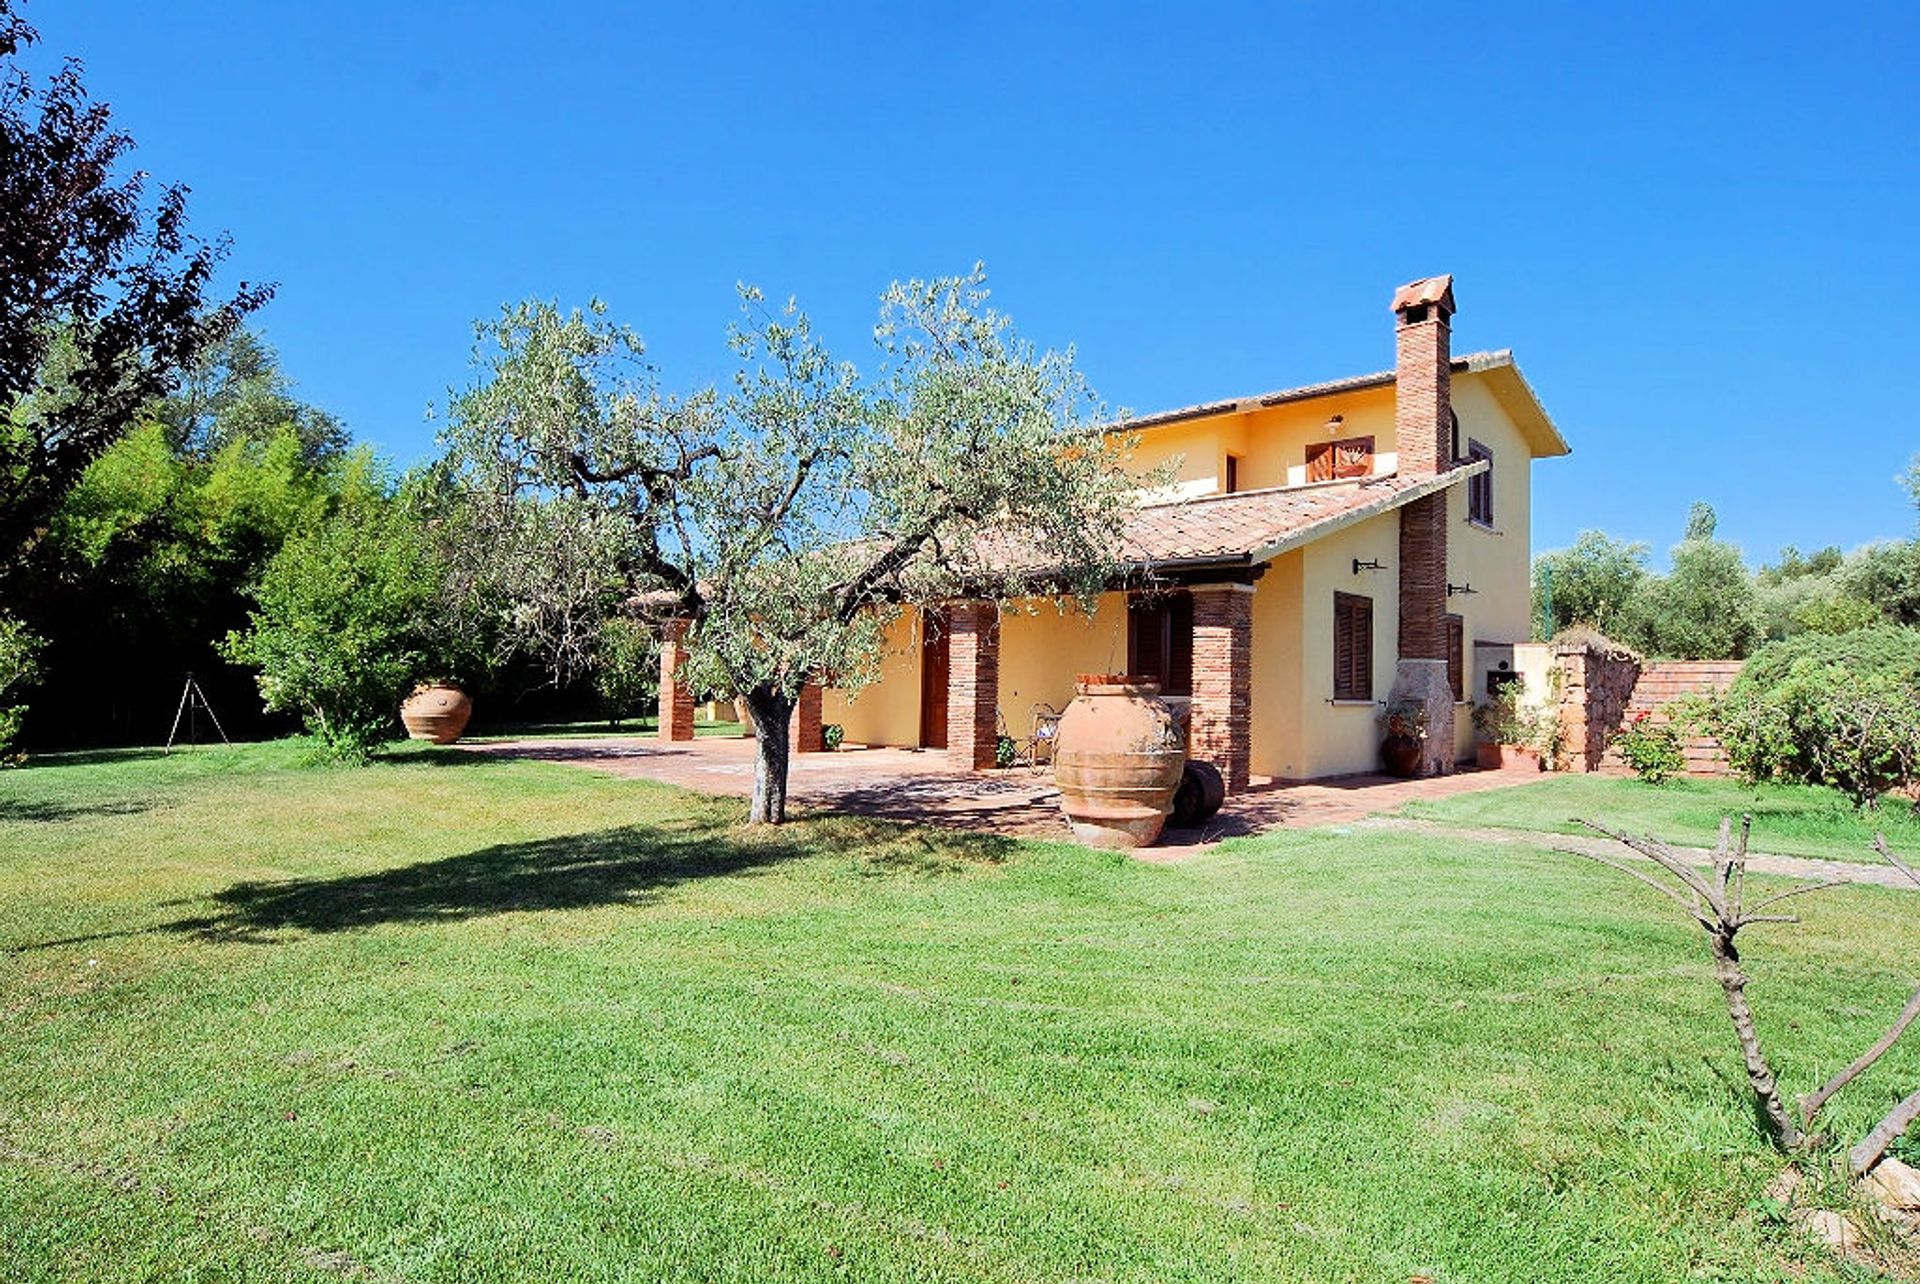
436 712
1117 760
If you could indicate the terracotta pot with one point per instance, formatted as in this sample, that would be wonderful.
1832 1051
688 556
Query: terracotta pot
1401 755
436 712
1493 757
1117 761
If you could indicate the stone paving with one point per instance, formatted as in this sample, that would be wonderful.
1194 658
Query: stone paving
914 785
918 786
1871 873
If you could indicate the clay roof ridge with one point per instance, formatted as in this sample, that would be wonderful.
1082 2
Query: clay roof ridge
1469 362
1304 489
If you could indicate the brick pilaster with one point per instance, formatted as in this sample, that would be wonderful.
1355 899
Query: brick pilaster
1423 578
806 729
973 684
676 697
1221 715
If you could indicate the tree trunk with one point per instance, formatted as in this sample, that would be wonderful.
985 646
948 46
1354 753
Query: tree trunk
1766 1092
772 712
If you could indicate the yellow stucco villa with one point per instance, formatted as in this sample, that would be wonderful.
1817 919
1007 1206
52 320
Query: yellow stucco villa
1322 550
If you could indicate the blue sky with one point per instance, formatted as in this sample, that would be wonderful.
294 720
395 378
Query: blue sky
1696 225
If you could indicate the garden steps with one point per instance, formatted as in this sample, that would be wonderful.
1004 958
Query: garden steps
1660 685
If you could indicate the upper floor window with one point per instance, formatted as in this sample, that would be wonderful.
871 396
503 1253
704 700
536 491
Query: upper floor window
1480 489
1233 474
1332 460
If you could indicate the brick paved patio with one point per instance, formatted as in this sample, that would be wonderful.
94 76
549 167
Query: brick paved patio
902 784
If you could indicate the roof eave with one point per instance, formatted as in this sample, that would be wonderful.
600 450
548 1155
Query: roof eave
1385 504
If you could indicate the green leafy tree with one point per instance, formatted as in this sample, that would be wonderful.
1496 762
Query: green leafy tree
347 619
1800 591
1589 583
18 668
1702 521
1887 574
1705 608
781 518
103 294
1835 613
627 672
237 392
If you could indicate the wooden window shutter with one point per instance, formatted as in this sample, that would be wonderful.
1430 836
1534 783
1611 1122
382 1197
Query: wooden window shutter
1352 647
1146 657
1353 457
1335 460
1177 680
1457 657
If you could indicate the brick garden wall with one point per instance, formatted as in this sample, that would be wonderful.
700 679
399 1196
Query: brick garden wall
1659 686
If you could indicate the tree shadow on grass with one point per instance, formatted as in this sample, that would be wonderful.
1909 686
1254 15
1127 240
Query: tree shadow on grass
44 812
631 865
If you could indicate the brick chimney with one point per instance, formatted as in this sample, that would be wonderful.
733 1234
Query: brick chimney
1423 423
1423 365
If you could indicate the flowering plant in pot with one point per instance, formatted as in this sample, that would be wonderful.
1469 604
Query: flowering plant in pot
1510 735
1404 746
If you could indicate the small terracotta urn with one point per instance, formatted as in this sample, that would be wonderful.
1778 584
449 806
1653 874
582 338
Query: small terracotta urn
437 712
1118 760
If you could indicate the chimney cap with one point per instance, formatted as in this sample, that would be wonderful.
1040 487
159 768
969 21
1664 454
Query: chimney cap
1436 291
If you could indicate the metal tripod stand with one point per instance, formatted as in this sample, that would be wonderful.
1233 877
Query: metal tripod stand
192 701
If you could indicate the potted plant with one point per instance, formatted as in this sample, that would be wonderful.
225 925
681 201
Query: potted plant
1509 736
1405 743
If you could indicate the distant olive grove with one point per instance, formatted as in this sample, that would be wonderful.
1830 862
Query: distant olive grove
1710 605
1831 691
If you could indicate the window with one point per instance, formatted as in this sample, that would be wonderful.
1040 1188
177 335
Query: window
1352 647
1332 460
1233 474
1480 489
1160 641
1457 657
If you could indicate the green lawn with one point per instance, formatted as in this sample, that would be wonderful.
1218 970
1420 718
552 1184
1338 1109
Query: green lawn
446 1018
1788 820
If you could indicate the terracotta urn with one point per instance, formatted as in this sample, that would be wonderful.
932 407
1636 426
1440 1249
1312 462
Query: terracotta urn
437 712
1401 755
1117 760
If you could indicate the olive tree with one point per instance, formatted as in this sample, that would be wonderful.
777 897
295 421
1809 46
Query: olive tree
781 517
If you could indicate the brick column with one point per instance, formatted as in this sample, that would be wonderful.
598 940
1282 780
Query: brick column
973 684
806 732
676 697
1221 727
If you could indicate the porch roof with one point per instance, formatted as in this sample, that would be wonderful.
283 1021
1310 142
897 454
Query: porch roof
1255 526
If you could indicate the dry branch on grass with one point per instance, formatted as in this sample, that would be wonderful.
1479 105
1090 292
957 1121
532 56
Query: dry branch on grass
1718 903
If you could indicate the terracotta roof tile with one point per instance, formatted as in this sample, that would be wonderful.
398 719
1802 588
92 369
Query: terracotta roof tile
1257 525
1264 523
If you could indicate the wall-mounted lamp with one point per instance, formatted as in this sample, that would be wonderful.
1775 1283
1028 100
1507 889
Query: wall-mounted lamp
1335 424
1371 564
1467 589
